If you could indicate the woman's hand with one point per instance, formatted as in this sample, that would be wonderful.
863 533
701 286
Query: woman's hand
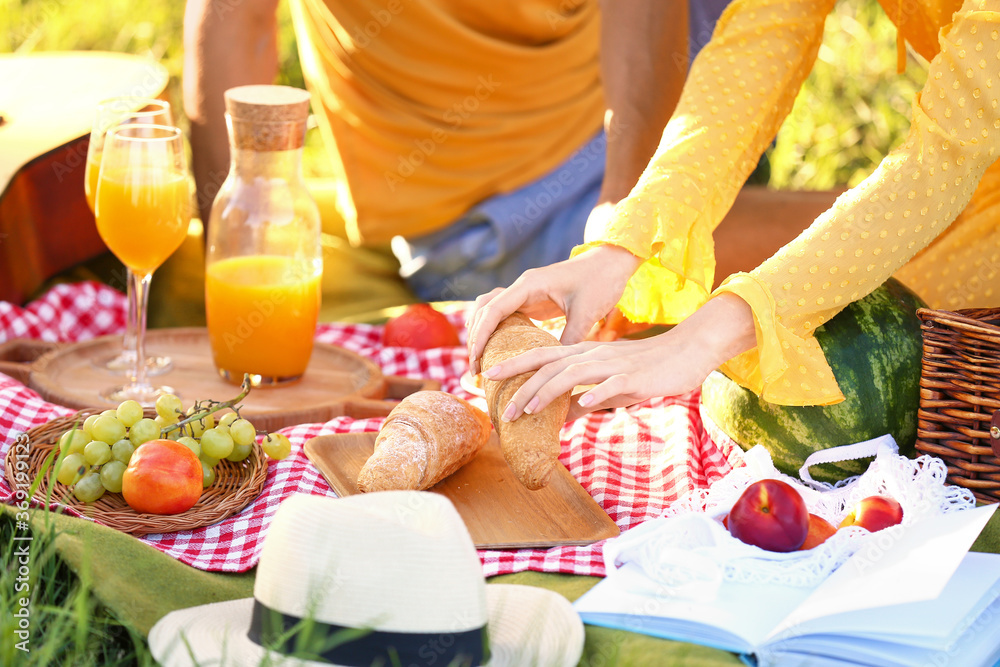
630 371
584 288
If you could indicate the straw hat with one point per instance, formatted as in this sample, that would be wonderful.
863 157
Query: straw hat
369 572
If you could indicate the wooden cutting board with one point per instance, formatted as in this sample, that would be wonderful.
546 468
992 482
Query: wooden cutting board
498 511
337 381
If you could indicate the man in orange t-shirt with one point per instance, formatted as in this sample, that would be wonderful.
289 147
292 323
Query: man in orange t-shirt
476 138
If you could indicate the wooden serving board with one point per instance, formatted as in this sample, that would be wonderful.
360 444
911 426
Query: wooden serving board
498 511
337 381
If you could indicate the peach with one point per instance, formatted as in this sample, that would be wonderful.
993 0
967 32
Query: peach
819 530
770 514
874 513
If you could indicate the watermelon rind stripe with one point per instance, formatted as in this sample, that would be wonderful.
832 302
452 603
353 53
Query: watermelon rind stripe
874 348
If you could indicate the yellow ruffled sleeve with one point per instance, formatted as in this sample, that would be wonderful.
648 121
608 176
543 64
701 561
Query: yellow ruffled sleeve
739 90
875 228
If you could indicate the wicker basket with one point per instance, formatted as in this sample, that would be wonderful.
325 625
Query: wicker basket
959 416
236 485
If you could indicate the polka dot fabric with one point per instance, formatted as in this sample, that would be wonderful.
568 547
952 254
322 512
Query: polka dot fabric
917 193
739 90
930 212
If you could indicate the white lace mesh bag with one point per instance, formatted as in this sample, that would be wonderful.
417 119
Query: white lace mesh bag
688 552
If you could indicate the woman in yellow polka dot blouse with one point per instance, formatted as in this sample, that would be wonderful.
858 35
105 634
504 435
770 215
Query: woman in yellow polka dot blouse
930 214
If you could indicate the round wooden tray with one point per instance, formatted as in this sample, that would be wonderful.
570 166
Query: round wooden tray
236 485
336 380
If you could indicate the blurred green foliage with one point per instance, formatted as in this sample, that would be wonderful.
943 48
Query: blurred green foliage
853 109
152 28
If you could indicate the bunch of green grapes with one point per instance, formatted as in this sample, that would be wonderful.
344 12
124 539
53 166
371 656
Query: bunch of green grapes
93 458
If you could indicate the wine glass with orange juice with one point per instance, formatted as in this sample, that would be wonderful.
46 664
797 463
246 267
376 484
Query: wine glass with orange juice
143 209
109 114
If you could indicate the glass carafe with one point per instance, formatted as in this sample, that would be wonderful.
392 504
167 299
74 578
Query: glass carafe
263 256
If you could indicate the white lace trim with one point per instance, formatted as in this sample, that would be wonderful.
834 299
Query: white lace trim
688 552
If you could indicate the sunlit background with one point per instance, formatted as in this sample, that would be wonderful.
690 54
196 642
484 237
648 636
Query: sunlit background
852 110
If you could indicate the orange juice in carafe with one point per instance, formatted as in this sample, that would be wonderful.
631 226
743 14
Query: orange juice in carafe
262 313
264 259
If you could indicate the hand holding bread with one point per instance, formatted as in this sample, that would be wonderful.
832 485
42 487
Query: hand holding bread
431 434
531 443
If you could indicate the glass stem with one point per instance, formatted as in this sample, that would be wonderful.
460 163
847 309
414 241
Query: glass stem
142 302
132 311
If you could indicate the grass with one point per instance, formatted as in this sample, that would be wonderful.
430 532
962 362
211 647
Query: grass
65 625
853 109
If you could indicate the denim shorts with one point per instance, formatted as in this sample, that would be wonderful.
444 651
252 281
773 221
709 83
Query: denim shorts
503 236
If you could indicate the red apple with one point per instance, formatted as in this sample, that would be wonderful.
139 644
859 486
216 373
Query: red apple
420 326
874 513
771 515
819 530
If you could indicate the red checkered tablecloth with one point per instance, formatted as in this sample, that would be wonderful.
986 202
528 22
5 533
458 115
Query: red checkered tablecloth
633 462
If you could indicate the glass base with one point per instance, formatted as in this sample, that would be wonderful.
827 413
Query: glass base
122 363
144 394
257 380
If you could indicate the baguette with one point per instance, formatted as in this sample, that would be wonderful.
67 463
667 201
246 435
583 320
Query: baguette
530 443
425 438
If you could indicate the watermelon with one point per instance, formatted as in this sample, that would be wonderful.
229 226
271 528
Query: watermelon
874 347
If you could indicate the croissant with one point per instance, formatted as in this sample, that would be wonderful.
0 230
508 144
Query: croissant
530 443
425 438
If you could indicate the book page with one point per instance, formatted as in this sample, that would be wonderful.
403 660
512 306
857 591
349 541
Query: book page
976 643
738 619
895 566
928 624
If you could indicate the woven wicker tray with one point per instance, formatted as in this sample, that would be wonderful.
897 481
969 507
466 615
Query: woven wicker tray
960 396
236 485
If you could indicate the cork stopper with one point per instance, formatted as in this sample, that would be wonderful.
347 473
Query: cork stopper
267 118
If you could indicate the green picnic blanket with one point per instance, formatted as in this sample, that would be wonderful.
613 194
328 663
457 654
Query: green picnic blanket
139 585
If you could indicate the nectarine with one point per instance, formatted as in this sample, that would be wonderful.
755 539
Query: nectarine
819 530
420 326
770 514
874 513
162 477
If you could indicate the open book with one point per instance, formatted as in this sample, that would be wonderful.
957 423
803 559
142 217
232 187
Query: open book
915 598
